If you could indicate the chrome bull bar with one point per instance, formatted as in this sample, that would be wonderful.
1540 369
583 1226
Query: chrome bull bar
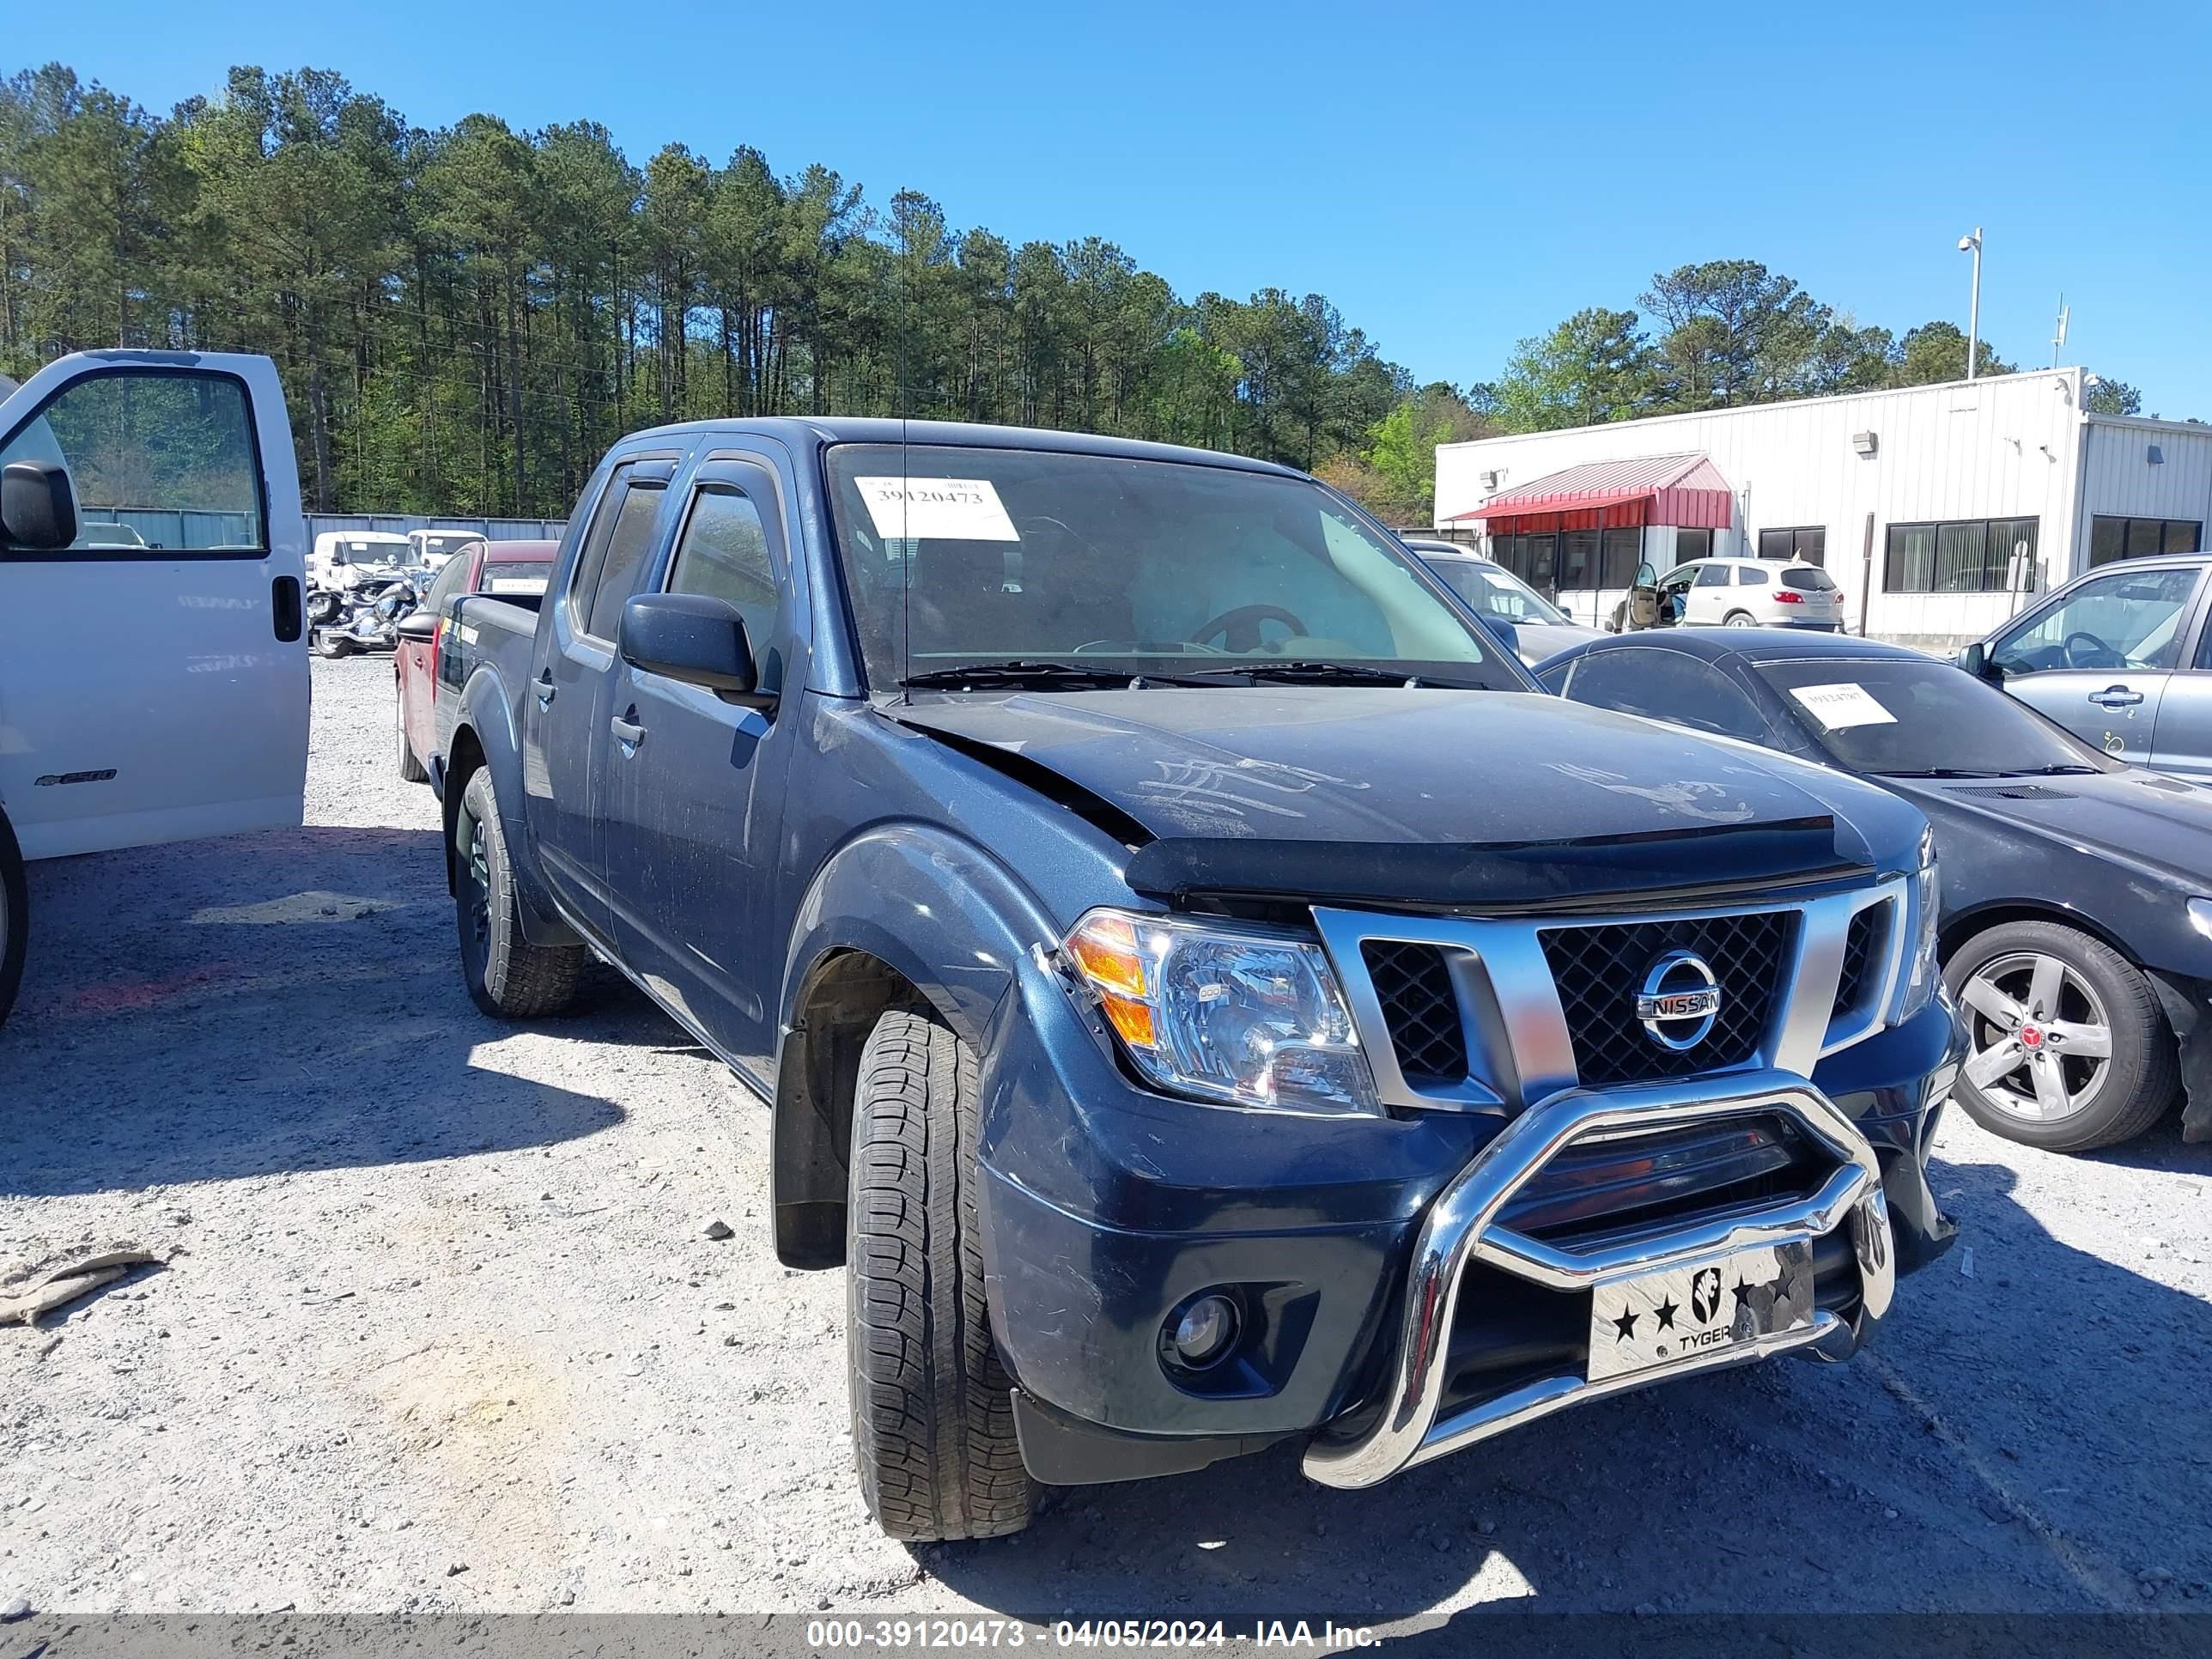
1462 1226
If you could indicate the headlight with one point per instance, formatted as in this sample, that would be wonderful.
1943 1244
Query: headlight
1925 898
1225 1014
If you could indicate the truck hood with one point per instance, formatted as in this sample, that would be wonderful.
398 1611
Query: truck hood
1427 795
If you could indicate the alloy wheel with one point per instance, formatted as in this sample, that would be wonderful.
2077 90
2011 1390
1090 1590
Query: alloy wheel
2042 1040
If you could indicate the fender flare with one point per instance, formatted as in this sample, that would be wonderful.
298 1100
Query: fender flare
899 910
486 723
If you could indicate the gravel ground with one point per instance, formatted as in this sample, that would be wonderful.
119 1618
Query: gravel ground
447 1332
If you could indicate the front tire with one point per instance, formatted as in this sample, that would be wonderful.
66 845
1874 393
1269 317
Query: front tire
507 977
410 769
14 917
331 646
2070 1050
932 1408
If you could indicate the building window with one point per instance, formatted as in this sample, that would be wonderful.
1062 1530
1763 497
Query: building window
1808 543
1692 545
1966 555
1624 551
2112 538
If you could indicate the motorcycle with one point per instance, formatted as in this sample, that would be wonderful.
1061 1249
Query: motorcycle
365 617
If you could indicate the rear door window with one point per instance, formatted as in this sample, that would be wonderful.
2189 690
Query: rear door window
1712 575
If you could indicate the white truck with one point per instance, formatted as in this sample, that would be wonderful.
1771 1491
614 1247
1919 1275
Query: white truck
153 648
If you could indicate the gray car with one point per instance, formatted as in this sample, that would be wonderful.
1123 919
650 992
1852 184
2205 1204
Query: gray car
2121 657
1516 612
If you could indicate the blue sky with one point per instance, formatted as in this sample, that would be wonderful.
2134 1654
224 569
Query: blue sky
1453 177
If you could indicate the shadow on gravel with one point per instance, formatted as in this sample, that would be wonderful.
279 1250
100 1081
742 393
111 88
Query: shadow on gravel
264 1004
2160 1148
2028 1439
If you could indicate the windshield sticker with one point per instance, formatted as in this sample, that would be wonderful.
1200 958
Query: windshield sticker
516 585
948 509
1841 707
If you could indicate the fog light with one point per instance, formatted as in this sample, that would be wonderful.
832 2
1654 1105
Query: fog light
1206 1330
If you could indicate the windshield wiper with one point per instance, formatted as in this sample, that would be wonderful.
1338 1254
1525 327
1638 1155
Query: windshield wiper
1015 670
1937 772
1303 670
2061 769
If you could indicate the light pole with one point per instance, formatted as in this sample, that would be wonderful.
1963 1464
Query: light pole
1974 245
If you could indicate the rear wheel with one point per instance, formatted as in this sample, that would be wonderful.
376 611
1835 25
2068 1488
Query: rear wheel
932 1408
410 769
2070 1050
333 646
15 918
1741 619
507 977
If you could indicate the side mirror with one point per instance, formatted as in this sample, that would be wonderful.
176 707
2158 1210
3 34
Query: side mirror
693 638
38 509
420 626
1975 659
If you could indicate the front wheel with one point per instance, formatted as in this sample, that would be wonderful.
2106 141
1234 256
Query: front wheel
331 645
14 917
932 1406
507 977
2070 1050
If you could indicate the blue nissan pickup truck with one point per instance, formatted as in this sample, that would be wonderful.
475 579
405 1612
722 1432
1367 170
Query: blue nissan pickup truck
1206 994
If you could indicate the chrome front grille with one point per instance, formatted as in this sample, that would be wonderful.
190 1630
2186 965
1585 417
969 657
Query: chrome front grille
1496 1014
1413 984
1599 970
1860 944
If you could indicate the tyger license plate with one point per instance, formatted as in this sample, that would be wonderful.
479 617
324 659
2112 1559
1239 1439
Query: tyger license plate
1660 1318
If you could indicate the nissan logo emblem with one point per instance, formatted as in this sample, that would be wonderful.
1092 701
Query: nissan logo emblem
1680 1001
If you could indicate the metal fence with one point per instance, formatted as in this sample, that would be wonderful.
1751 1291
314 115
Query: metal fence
190 529
492 530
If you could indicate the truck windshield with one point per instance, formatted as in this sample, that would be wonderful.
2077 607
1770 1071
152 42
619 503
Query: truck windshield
957 556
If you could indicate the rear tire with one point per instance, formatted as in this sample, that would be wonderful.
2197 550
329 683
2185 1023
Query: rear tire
507 977
331 646
410 769
1739 619
15 918
933 1407
2105 1103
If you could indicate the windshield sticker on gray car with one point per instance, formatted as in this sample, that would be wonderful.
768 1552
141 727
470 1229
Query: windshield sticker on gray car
1842 706
951 509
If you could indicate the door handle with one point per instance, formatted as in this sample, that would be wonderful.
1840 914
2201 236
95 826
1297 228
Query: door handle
545 689
2115 696
629 735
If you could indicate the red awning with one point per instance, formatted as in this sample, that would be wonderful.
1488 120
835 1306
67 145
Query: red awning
1684 490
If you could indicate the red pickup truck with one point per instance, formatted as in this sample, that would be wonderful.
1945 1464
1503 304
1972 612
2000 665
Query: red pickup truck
510 568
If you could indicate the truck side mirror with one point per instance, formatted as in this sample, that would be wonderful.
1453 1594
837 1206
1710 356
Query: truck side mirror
38 509
694 638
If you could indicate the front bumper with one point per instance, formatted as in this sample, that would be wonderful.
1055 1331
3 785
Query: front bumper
1104 1208
1464 1227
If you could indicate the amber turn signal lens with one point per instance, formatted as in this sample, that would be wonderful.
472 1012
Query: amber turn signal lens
1133 1020
1105 949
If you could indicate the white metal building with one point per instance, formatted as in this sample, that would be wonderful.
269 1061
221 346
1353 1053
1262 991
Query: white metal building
1936 508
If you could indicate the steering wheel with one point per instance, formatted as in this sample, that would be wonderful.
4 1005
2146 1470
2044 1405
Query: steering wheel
2099 655
1240 626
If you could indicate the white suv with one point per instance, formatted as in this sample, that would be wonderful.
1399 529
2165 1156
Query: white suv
1748 593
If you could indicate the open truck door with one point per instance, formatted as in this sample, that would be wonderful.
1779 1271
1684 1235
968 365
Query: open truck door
152 664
